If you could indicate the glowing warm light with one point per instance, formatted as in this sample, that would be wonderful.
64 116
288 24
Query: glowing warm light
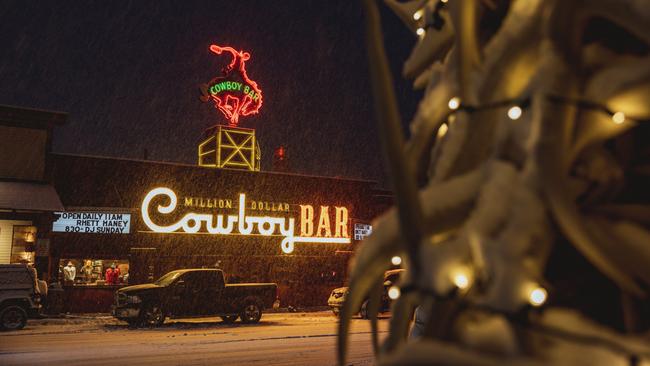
442 131
396 260
30 237
420 32
233 93
461 281
618 117
242 224
454 103
418 14
514 113
444 1
461 276
394 292
537 296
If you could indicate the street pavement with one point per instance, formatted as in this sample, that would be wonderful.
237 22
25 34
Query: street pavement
279 339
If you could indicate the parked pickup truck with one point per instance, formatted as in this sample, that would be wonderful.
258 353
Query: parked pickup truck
192 293
19 296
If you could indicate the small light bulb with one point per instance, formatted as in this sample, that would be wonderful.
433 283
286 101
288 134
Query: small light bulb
618 117
444 1
454 103
514 113
394 292
420 32
418 14
537 296
396 260
442 131
461 277
461 281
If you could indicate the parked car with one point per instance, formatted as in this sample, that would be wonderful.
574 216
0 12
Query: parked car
191 293
19 297
337 297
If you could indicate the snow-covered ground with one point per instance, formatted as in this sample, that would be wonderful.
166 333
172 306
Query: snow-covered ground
279 339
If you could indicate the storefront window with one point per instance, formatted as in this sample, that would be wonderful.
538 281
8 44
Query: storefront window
22 245
94 272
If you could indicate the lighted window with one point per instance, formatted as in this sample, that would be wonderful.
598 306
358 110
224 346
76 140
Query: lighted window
23 244
93 272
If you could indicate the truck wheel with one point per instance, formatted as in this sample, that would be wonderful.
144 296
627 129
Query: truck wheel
152 316
251 313
229 319
13 317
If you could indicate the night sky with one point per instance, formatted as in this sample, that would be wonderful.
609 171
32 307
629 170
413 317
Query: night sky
127 73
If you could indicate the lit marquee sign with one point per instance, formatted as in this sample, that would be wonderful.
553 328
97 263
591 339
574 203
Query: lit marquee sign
361 231
314 227
233 93
92 222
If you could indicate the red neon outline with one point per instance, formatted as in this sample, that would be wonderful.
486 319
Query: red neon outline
233 106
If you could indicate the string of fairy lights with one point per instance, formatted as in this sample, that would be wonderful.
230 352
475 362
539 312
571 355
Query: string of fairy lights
516 109
462 276
434 21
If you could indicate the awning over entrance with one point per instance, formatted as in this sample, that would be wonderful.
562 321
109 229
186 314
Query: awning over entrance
29 196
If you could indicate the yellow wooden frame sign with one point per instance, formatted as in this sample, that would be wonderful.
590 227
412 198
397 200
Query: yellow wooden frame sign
230 147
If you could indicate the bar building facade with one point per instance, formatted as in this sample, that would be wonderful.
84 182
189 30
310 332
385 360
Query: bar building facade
120 226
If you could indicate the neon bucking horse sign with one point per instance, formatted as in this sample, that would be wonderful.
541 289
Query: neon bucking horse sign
233 93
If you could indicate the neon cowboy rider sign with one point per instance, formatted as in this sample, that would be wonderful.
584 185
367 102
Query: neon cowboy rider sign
233 92
324 226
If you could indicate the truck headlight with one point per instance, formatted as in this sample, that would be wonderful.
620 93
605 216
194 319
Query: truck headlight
133 299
